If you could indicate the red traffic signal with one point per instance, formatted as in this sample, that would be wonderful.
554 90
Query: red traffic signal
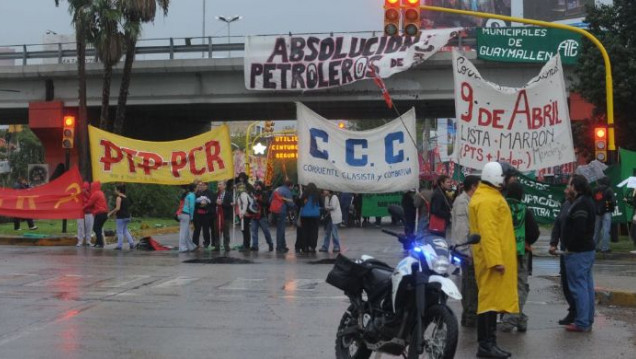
600 143
391 17
411 15
68 132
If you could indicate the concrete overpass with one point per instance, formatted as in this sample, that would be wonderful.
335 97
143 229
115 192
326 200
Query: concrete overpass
166 94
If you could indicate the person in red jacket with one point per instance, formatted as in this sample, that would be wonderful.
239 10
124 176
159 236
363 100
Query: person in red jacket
99 208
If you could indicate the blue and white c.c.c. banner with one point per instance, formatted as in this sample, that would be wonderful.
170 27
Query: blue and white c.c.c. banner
381 160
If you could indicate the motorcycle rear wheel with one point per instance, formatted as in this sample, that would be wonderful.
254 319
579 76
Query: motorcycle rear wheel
440 333
350 347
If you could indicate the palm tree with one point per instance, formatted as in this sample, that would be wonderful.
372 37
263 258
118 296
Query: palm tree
135 12
77 9
105 35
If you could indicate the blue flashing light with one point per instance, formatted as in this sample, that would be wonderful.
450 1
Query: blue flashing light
457 260
417 249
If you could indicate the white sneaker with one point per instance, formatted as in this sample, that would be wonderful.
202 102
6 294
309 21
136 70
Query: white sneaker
78 245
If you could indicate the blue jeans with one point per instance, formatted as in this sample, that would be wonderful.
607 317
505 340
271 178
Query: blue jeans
264 225
122 230
602 229
331 231
281 223
581 284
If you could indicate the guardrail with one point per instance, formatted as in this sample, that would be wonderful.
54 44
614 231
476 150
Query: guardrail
150 49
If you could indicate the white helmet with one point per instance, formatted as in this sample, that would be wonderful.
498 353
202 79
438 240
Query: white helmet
493 174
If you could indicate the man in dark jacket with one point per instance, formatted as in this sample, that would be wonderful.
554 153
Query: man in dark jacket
578 241
203 210
556 237
225 211
441 205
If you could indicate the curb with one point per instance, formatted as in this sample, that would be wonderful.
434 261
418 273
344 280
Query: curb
613 297
72 240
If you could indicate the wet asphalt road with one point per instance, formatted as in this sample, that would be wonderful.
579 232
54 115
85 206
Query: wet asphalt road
89 303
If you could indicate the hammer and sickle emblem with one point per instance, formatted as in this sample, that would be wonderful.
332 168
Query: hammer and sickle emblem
75 190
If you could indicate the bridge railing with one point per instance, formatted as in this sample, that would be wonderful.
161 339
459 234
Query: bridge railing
154 49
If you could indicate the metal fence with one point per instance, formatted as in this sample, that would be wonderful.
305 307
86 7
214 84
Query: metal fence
155 49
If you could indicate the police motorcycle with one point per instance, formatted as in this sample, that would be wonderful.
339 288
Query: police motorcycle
401 310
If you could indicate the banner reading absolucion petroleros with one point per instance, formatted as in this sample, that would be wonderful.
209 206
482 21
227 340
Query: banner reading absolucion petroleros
301 63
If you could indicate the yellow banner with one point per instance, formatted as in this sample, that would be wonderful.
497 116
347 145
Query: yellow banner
207 157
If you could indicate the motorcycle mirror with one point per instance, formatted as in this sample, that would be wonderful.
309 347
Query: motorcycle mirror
473 239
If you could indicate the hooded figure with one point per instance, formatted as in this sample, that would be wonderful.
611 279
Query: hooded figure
98 206
495 258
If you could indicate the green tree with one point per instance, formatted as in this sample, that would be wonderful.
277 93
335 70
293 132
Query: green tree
135 12
78 10
24 149
105 34
615 27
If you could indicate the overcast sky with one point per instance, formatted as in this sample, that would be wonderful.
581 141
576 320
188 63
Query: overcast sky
26 21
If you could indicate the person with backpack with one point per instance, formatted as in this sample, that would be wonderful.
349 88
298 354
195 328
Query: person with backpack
123 216
604 203
245 200
280 202
309 218
526 233
259 217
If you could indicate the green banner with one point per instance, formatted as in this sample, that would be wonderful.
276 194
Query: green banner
376 205
544 200
527 44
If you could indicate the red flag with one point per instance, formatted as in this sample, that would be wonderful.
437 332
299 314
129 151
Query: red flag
58 199
378 81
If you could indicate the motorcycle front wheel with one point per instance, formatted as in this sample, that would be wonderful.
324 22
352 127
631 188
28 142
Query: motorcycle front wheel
350 346
439 332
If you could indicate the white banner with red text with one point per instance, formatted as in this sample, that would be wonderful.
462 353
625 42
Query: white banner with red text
380 160
528 127
206 157
304 62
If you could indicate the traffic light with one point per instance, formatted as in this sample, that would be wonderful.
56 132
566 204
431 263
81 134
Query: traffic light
269 126
391 17
600 143
68 132
411 17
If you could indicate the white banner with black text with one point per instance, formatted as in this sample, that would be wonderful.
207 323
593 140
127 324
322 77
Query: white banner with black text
380 160
303 62
528 127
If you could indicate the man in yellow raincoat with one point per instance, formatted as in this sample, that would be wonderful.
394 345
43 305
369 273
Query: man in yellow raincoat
495 258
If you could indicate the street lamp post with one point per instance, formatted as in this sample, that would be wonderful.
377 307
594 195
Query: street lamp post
228 20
